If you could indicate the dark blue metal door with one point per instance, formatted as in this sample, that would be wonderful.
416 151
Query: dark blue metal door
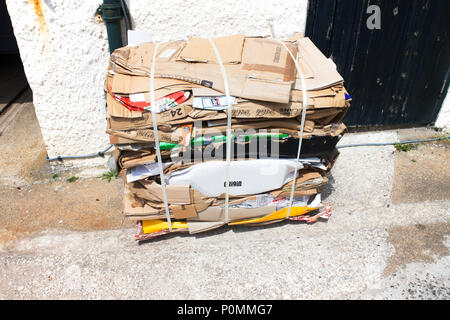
397 74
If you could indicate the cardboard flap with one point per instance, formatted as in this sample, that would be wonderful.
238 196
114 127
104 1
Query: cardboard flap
206 92
168 51
297 95
129 162
325 74
242 83
119 140
200 50
266 110
337 101
116 109
127 84
201 226
131 208
176 194
144 135
218 214
296 36
266 91
269 56
141 55
146 121
184 211
304 67
130 84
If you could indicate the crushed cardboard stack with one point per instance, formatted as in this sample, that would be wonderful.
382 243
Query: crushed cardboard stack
191 113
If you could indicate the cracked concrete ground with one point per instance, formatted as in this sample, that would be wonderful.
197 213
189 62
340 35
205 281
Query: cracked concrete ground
388 237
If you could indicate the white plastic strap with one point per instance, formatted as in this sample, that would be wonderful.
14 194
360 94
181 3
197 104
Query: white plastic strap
228 159
305 103
155 133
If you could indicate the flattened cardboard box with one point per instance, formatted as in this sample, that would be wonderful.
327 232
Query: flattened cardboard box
241 113
144 119
127 84
197 226
251 82
268 59
138 194
120 118
252 71
240 82
146 135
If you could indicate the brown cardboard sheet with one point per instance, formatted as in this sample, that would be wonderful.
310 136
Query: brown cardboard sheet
128 159
337 101
325 75
249 82
206 92
119 140
218 213
297 95
242 83
127 84
145 121
147 135
184 211
266 58
118 110
305 69
135 206
201 50
197 226
263 78
202 226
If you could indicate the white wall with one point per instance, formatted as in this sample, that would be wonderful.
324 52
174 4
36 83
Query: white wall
175 19
65 59
443 119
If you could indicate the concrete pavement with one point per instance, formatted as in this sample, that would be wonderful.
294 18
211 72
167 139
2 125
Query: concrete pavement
383 241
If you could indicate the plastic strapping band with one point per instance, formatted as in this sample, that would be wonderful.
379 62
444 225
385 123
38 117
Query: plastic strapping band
305 103
228 159
155 133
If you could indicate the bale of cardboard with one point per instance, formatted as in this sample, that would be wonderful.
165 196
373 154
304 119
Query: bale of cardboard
191 115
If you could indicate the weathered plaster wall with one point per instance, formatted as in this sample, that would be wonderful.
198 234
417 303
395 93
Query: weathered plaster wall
65 53
172 19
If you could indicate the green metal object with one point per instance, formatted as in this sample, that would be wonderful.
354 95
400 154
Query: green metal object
112 14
